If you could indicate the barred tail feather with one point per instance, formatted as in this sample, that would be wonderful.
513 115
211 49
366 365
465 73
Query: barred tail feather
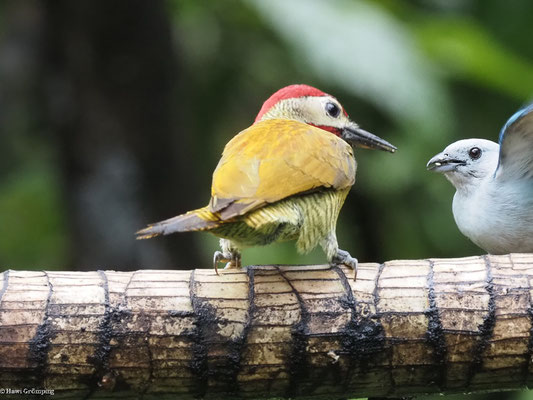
196 220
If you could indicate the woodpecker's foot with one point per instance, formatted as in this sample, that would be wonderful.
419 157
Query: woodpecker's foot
220 257
233 260
343 257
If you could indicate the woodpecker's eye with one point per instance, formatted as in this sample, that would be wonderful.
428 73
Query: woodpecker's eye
333 110
474 153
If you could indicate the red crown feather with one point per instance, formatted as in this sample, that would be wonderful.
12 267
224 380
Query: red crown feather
289 92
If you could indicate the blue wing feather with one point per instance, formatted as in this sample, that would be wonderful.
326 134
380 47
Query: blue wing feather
520 113
516 146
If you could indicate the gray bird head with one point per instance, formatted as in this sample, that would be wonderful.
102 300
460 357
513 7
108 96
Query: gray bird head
466 162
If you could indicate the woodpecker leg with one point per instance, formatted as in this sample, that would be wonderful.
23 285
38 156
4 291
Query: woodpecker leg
343 257
337 256
219 257
235 262
230 254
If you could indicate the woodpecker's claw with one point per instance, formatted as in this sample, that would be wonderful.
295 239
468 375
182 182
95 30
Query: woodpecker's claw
218 257
233 260
343 257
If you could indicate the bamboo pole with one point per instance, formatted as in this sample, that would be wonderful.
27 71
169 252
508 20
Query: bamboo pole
403 328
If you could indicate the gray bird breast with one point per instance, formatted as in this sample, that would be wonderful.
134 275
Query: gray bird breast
497 216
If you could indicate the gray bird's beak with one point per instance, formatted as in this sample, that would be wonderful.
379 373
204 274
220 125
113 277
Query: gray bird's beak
443 163
360 138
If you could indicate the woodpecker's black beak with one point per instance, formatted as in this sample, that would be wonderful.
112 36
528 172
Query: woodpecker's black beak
360 138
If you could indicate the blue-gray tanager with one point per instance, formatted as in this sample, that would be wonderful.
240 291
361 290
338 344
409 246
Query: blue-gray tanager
493 204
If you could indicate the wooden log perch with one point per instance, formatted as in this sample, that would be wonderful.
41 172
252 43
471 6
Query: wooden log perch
403 328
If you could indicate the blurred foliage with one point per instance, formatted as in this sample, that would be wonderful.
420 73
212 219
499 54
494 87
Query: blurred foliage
420 74
31 208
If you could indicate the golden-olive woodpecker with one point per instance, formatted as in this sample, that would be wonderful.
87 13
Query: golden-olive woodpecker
283 178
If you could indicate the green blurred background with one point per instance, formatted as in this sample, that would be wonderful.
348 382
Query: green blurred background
114 114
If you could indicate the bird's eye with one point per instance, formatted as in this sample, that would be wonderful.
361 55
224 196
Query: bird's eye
333 110
474 153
